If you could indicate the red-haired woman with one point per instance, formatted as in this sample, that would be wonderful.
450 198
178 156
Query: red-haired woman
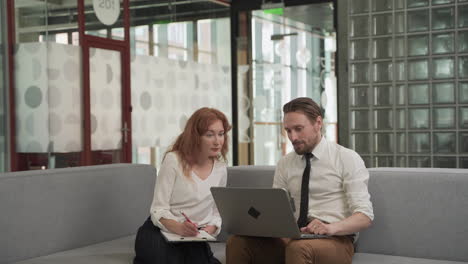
194 164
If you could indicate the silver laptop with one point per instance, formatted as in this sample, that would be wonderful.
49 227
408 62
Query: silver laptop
263 212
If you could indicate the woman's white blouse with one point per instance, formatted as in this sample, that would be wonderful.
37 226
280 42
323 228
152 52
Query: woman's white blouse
175 193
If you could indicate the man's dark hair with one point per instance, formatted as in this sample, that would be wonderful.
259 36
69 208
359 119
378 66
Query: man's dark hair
305 105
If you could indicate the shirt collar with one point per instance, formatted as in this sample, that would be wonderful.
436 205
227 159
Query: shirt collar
319 150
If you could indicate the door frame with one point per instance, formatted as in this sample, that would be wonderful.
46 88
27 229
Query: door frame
123 46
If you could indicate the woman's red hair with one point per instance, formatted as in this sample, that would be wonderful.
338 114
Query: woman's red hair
187 144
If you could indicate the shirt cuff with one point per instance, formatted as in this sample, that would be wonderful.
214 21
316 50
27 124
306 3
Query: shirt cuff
166 214
216 222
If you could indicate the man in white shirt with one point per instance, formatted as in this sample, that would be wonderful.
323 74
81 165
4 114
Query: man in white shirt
328 183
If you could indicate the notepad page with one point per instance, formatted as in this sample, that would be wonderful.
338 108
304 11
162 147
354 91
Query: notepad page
202 236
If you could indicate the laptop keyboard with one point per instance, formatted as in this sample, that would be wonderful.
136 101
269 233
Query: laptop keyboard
312 236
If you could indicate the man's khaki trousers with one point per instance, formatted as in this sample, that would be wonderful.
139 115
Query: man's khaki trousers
259 250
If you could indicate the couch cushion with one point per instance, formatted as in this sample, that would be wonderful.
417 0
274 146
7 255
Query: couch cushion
219 251
49 211
419 213
365 258
118 251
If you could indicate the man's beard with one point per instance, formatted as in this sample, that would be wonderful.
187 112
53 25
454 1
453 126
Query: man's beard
305 149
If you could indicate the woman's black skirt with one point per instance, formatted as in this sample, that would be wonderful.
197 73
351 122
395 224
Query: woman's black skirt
152 248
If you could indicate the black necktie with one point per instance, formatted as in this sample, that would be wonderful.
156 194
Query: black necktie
302 220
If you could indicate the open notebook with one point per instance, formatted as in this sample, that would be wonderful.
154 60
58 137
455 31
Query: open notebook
201 237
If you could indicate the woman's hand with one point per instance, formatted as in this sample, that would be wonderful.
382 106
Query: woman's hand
185 229
210 229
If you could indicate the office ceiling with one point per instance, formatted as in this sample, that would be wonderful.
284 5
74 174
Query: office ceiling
318 16
62 15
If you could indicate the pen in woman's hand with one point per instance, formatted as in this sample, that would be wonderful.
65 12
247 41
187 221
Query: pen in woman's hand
188 220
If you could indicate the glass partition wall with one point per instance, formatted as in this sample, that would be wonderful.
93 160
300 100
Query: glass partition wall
408 82
79 63
47 86
283 54
180 62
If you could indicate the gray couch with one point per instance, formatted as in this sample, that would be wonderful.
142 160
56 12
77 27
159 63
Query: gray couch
90 214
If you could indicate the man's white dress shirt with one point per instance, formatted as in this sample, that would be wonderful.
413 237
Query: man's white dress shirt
337 186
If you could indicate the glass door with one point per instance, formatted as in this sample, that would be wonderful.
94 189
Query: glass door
106 88
107 131
289 54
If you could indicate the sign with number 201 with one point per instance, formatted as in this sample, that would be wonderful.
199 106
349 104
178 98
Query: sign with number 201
107 11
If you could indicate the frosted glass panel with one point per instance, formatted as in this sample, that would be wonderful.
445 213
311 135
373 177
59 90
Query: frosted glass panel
359 6
360 119
464 143
383 119
401 118
382 48
419 142
445 162
418 45
418 94
418 20
443 93
443 68
444 117
400 4
48 98
359 26
463 41
360 142
418 69
419 118
382 24
401 94
382 5
463 67
383 161
401 142
106 98
462 16
400 25
442 18
463 117
442 43
463 96
383 72
444 143
359 49
383 95
360 73
417 3
383 143
463 162
419 162
401 162
441 2
400 50
400 71
359 96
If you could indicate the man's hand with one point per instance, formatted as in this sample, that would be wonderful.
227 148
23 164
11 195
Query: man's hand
353 224
320 228
210 229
